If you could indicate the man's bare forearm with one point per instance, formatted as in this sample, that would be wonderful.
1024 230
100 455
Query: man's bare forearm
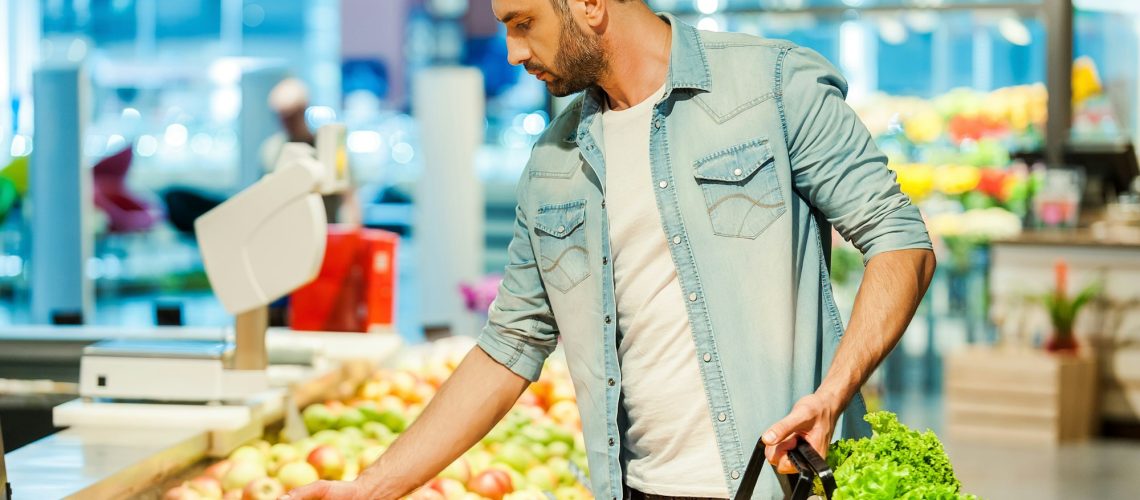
464 410
893 285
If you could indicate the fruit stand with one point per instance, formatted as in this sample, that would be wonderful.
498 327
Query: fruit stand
537 449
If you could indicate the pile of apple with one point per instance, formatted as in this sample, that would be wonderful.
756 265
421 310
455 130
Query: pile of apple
537 449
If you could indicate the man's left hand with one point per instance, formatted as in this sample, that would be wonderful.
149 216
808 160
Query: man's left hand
813 419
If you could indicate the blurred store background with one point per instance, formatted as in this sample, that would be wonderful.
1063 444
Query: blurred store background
1011 123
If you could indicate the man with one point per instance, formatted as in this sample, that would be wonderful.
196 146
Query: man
673 229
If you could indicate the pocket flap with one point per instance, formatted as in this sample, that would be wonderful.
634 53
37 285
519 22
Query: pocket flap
561 219
734 164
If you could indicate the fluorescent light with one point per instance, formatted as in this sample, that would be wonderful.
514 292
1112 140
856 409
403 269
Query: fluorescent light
708 24
707 6
1014 31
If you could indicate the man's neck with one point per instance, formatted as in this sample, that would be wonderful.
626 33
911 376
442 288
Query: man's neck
638 58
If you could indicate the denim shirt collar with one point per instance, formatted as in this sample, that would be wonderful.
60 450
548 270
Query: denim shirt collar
688 69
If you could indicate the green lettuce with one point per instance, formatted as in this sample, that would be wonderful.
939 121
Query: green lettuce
894 463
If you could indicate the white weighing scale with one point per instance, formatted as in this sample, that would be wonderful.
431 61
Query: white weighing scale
257 246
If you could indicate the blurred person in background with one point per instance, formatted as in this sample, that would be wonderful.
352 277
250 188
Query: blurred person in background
673 228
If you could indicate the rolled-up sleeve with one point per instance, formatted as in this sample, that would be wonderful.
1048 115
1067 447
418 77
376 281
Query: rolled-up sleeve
836 165
520 332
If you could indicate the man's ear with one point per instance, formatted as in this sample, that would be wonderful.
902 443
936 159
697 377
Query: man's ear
592 12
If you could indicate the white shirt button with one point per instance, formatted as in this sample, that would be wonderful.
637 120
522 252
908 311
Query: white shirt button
722 417
663 184
737 172
708 357
676 240
735 475
561 228
692 297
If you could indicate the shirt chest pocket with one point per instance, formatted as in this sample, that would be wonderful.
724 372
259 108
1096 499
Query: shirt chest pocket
563 256
741 188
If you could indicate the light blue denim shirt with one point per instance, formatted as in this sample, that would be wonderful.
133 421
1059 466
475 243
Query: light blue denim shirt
754 155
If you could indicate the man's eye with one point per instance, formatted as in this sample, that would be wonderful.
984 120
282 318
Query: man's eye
524 26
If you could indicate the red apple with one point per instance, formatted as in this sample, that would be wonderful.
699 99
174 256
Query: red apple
491 483
265 488
449 488
530 399
181 492
206 486
218 470
328 461
297 474
233 495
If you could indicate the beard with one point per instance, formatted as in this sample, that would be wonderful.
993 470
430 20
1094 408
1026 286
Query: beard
580 61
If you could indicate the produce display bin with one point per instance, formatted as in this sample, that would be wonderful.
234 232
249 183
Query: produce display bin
1020 396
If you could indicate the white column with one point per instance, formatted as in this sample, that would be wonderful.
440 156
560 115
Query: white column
60 196
448 105
858 59
5 84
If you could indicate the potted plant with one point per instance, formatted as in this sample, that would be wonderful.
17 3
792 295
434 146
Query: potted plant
1063 309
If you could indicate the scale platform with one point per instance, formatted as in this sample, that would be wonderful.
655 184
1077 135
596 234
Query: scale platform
165 370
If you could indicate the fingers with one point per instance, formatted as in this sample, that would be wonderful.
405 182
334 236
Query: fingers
798 420
777 455
315 491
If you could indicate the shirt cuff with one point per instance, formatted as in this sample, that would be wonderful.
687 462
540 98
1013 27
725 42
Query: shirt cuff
521 358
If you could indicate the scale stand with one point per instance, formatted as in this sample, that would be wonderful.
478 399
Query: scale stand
182 371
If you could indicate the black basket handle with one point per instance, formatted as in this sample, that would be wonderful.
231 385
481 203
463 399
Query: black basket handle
806 460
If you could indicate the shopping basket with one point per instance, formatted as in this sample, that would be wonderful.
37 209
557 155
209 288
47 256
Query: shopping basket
797 486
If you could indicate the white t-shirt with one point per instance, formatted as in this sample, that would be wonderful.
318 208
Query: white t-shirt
670 440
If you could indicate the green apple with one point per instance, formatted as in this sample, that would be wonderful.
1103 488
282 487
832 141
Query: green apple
297 474
371 454
350 417
561 467
517 456
249 454
558 449
281 454
352 433
318 417
540 451
394 420
479 460
559 433
326 436
379 432
536 434
370 411
579 459
242 473
542 477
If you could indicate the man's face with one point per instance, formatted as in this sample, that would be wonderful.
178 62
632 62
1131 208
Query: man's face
551 45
